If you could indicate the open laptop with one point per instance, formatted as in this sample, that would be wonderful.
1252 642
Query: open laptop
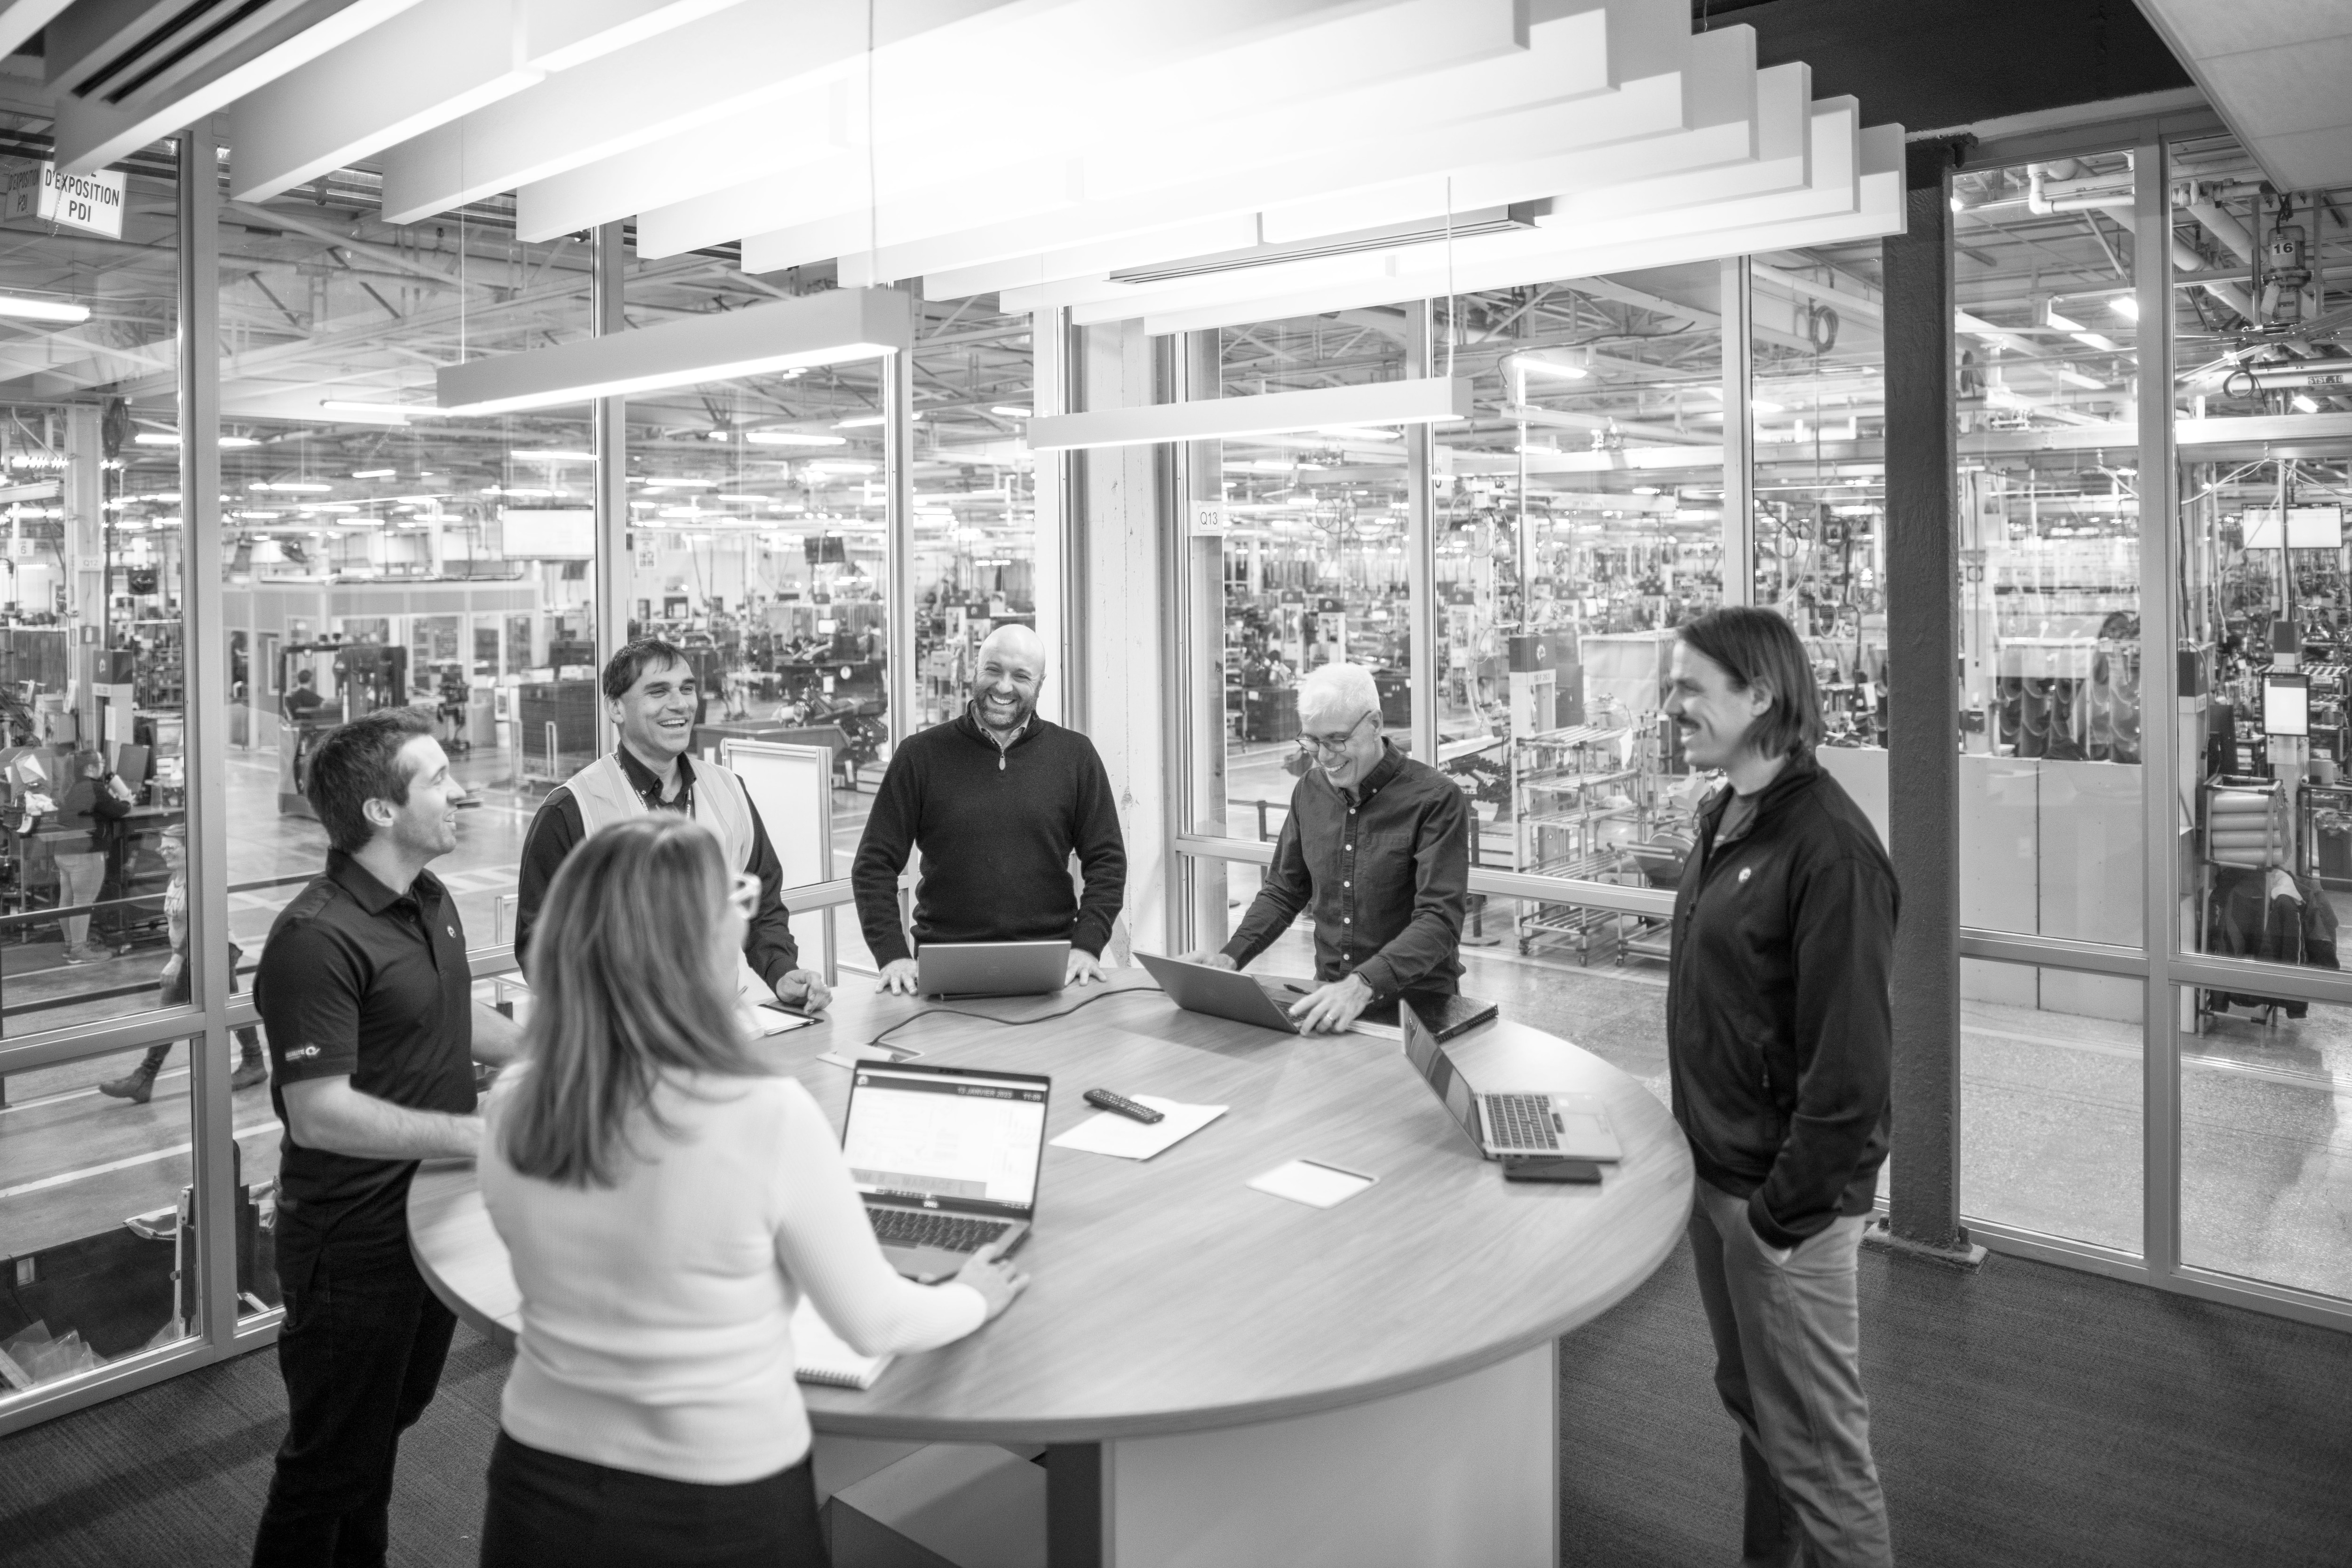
1226 993
946 1158
991 968
1510 1124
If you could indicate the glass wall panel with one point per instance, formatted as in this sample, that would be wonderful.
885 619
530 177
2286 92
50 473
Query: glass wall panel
2050 1101
377 554
92 664
2266 614
2050 661
96 1250
2265 1153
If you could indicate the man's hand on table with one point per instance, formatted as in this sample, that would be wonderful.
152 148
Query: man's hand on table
1212 958
1331 1008
804 989
898 978
1085 968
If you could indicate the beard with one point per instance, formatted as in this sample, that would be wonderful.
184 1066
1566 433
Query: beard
1000 718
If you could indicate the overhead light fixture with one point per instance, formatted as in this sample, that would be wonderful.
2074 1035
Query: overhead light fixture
2073 377
1528 362
838 325
552 457
157 439
238 441
390 413
860 422
2050 316
25 309
373 473
792 438
822 469
1357 433
1008 411
1429 400
293 487
2304 405
2126 306
674 484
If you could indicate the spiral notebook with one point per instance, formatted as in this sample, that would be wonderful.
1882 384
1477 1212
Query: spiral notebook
820 1355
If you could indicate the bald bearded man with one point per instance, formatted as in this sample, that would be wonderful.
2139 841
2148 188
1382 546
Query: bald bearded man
998 800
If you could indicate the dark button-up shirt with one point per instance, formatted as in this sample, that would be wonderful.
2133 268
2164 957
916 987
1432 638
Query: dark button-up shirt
1386 868
362 982
769 946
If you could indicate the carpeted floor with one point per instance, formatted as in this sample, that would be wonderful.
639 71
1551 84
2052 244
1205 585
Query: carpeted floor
2024 1415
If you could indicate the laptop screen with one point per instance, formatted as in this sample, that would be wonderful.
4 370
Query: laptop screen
964 1141
1437 1068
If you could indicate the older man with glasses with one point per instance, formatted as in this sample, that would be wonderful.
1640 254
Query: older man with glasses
1378 846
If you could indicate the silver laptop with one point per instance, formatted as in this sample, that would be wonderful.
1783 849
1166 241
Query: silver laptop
1510 1124
946 1159
991 968
1227 993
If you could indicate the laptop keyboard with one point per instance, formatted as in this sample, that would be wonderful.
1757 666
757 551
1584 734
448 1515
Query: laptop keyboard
1521 1121
927 1227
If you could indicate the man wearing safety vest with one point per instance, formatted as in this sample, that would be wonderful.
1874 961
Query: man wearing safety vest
650 696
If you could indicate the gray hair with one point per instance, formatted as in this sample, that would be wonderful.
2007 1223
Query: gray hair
1338 689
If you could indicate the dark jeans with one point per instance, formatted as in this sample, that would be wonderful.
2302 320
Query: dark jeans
361 1353
547 1511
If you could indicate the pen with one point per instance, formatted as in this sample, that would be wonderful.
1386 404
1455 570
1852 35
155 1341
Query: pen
1123 1106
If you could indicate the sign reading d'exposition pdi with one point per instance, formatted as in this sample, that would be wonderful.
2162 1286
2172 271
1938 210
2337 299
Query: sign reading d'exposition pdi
92 203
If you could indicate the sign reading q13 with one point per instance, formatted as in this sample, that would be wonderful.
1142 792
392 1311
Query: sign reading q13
92 203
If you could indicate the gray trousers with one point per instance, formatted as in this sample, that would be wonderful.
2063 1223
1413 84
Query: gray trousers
1788 1363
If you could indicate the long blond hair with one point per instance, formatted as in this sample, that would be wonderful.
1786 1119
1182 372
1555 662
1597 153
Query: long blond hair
624 988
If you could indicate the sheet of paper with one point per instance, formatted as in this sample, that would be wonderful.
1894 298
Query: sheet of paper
1107 1133
761 1020
1312 1182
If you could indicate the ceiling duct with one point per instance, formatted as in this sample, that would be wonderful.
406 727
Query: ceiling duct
123 53
1427 231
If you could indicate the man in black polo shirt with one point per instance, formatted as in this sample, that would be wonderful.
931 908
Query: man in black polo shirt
1379 845
367 999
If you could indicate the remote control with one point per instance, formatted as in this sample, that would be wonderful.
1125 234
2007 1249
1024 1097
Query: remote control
1123 1106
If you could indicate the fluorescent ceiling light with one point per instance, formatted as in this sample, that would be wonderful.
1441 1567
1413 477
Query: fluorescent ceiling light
1010 411
841 467
2304 405
866 421
2050 315
1430 400
391 412
25 309
1358 433
2126 306
2077 378
838 325
682 484
1552 367
552 457
373 473
293 487
157 439
238 441
2094 340
792 438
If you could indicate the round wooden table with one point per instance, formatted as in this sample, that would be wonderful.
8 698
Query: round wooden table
1219 1376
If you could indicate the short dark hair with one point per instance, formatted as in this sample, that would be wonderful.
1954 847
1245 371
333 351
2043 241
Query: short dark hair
1757 646
304 678
358 762
637 657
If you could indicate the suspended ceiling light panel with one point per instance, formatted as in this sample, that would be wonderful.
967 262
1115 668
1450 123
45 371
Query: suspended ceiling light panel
831 328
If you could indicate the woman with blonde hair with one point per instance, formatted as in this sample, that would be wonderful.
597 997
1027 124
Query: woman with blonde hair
666 1199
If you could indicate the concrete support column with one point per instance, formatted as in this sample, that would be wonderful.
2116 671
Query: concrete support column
1200 733
1117 551
1923 754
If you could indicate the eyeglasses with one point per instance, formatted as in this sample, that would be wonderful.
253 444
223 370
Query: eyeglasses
744 892
1330 744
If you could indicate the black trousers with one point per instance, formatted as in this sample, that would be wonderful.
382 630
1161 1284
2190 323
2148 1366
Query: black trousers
548 1510
361 1353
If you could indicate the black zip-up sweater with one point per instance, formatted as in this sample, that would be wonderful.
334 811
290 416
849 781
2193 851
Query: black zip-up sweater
1779 1027
997 829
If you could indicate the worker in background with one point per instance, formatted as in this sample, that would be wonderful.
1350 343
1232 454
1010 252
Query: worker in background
1378 846
175 989
1779 1047
95 802
651 697
368 999
304 700
997 800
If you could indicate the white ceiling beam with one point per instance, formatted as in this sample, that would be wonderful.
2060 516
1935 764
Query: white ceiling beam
23 18
439 60
90 135
950 150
